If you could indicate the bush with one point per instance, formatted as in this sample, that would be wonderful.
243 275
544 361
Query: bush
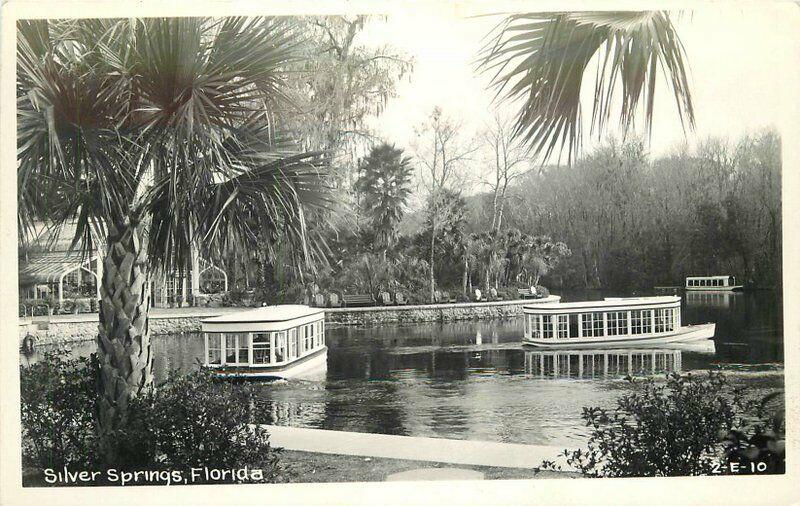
233 297
190 421
57 396
197 421
542 291
674 428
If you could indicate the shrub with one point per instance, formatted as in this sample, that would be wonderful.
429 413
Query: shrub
190 421
233 297
542 291
56 397
197 421
668 429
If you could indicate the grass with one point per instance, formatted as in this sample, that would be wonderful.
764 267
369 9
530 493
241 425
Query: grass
311 467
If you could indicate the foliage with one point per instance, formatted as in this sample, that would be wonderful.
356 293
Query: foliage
671 428
758 444
188 421
156 110
56 395
384 181
632 222
342 81
193 420
541 58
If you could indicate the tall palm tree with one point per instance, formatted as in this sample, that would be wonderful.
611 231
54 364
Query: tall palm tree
385 182
155 135
540 59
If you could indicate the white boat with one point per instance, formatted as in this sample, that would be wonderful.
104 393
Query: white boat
611 322
712 283
285 341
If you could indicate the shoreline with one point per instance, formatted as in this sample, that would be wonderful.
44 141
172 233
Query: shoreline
63 329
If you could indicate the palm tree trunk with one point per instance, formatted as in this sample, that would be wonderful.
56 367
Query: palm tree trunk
123 342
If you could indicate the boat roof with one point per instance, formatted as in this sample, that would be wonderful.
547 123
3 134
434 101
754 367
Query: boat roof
267 314
607 302
724 276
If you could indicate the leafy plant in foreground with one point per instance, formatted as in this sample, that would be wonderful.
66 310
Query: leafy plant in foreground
675 428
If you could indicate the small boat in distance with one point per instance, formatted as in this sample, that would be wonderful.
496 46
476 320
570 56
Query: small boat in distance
712 283
614 321
284 341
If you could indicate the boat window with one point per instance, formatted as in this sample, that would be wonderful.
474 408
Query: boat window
573 325
637 322
535 321
214 348
280 346
617 323
547 327
665 320
236 349
244 348
261 348
592 324
322 330
292 343
563 326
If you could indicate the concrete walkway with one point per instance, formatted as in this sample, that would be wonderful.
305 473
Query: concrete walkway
451 451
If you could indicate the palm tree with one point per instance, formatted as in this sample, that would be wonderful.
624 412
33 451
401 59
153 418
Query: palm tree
385 182
540 59
155 135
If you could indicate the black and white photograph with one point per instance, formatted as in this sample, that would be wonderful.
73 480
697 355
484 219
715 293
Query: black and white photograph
399 247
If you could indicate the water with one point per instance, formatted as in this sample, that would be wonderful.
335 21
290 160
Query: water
473 380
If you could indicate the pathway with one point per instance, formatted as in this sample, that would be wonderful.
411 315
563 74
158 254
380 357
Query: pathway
451 451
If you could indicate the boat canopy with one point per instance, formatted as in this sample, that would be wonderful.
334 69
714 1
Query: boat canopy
607 304
268 318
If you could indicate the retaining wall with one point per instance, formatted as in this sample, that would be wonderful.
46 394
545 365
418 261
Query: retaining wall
71 328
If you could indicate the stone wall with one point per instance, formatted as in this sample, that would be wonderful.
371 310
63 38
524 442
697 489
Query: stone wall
426 313
73 328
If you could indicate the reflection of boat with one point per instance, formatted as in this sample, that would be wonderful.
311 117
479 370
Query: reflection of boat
712 299
286 341
611 322
712 283
602 363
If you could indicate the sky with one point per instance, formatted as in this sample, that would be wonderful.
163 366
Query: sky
736 56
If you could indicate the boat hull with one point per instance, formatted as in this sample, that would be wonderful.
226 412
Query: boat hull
689 333
311 365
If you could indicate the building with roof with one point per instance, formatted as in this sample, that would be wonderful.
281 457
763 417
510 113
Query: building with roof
52 271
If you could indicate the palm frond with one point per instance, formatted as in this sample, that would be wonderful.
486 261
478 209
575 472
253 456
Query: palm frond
540 60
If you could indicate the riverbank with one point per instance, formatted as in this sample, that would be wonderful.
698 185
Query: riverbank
83 327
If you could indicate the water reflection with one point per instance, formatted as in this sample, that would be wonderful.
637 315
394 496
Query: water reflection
590 364
712 299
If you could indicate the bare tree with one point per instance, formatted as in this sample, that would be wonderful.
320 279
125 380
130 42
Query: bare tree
442 153
509 161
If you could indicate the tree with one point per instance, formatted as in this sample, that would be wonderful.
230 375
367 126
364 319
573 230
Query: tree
541 58
157 134
384 181
509 163
341 83
442 153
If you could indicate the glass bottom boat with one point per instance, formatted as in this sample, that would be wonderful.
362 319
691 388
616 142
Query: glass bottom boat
611 322
285 341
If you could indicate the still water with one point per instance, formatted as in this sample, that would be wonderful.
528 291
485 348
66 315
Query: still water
473 380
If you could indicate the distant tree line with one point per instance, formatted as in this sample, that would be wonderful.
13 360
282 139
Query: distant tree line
633 222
